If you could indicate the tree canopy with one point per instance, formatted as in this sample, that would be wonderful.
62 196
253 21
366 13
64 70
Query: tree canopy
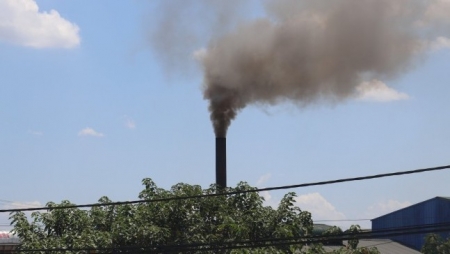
237 223
435 244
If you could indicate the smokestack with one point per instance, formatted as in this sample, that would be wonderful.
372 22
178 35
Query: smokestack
221 162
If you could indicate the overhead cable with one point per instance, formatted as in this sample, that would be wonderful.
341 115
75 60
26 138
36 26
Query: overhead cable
225 193
266 242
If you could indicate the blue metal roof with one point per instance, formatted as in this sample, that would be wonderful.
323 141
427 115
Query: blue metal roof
447 199
384 246
429 212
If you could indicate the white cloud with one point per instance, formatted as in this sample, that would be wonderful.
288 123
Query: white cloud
129 123
5 204
439 43
200 54
319 208
21 23
268 200
18 205
267 197
90 132
36 133
376 90
322 211
385 207
263 179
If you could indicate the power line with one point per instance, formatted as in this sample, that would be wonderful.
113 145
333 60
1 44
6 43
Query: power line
209 247
342 220
224 193
267 242
378 244
428 228
319 239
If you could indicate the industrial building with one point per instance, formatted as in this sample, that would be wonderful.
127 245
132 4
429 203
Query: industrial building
384 246
8 242
435 211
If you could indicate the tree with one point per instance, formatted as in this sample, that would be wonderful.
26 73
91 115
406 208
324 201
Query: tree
352 244
434 244
237 223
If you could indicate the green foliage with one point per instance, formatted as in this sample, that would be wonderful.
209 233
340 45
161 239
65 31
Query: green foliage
329 233
219 221
195 225
363 250
352 243
434 244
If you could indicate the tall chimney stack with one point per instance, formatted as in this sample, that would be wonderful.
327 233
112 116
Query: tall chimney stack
221 162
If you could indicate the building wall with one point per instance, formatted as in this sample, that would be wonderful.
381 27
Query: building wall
8 242
436 210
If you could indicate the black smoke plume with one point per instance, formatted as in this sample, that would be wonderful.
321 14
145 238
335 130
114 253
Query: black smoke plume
312 51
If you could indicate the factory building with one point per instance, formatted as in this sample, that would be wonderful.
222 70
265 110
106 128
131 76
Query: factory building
8 242
434 213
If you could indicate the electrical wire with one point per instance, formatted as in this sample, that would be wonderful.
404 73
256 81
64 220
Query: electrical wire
377 244
269 242
314 239
342 220
349 236
225 193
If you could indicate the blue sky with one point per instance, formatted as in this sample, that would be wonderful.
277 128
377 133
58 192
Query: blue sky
87 109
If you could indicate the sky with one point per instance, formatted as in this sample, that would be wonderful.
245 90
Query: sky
91 103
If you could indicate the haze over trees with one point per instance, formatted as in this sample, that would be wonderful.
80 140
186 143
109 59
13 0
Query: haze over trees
237 223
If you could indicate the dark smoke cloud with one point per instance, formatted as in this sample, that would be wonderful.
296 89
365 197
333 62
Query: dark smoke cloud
182 26
314 51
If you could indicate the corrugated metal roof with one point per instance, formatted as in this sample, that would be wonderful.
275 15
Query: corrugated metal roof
8 238
432 211
384 246
414 205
